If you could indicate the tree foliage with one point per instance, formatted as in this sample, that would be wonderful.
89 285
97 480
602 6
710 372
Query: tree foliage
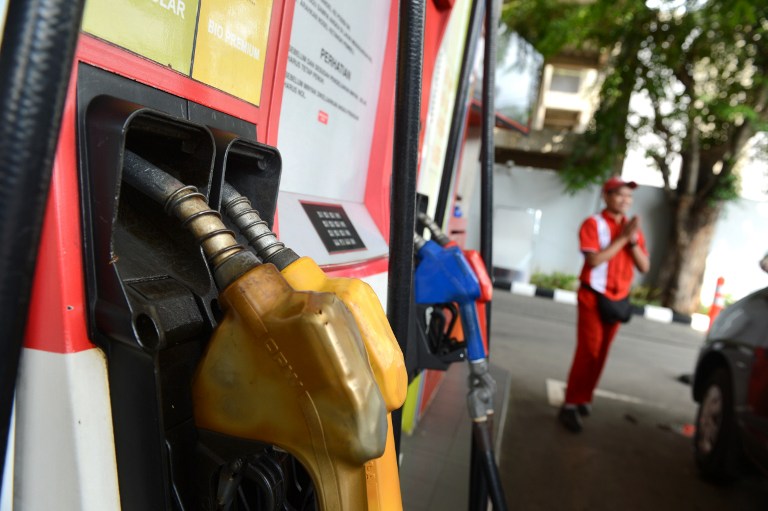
700 64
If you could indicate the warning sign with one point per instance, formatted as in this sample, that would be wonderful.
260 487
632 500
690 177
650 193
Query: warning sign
332 81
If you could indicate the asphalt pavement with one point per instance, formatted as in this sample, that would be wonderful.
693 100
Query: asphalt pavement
635 451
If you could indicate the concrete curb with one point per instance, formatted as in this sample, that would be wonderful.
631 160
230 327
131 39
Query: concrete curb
651 312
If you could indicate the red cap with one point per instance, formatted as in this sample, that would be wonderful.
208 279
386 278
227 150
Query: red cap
615 182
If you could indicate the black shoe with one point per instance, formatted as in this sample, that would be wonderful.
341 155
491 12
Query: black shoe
585 410
570 418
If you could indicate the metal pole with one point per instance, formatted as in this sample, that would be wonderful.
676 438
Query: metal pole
35 64
402 216
460 107
488 150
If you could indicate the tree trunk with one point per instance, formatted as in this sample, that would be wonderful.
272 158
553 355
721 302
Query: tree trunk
682 272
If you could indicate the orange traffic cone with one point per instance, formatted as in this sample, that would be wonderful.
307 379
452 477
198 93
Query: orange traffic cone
718 303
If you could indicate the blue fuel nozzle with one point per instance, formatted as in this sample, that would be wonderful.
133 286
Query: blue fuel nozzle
443 275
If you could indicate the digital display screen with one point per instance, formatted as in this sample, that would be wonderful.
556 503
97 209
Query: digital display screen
334 227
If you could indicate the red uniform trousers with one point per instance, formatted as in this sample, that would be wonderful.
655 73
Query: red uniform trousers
592 343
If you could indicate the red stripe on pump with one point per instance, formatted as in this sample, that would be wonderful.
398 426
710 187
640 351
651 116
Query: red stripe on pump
57 308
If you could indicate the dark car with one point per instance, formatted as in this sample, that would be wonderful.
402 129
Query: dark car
731 386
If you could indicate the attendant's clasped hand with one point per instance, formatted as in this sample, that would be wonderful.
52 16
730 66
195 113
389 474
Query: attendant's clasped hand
630 231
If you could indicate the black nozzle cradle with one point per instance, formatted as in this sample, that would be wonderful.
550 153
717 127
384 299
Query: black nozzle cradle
228 259
268 248
437 233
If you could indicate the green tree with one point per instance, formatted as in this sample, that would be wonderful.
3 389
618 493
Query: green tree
702 65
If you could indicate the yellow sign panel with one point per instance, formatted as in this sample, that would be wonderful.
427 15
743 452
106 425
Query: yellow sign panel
231 46
161 30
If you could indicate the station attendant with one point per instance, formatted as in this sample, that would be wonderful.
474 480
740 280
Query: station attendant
613 246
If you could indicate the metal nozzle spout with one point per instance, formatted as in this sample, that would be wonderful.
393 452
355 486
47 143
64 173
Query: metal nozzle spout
419 242
227 258
256 231
437 233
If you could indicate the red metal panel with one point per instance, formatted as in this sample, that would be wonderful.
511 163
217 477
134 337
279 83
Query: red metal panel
116 60
435 22
377 190
432 380
57 318
377 187
358 270
275 67
57 311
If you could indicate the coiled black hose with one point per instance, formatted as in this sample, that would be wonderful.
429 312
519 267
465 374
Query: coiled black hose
410 49
38 46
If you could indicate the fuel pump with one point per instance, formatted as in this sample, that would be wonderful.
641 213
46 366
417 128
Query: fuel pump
443 275
283 366
127 310
384 353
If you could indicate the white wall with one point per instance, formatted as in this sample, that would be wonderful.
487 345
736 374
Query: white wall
738 245
556 247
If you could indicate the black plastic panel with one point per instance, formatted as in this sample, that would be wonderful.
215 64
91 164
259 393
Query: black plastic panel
253 169
152 298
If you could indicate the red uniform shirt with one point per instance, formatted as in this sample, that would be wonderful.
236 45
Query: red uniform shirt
612 278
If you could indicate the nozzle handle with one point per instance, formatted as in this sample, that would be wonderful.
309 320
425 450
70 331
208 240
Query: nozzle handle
470 323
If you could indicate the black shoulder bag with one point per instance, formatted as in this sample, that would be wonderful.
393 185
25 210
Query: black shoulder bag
613 311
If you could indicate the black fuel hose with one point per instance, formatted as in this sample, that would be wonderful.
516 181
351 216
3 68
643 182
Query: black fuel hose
460 107
410 49
488 148
479 486
481 433
38 46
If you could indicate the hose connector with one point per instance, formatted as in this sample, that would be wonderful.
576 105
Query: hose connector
269 249
418 242
437 233
226 257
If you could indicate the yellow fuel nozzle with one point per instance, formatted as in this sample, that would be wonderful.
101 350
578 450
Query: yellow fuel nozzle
284 367
384 354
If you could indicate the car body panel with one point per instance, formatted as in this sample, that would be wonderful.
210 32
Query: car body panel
738 341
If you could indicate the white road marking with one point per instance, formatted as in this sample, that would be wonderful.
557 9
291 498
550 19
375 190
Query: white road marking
700 322
660 314
499 427
555 392
563 296
523 288
556 395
